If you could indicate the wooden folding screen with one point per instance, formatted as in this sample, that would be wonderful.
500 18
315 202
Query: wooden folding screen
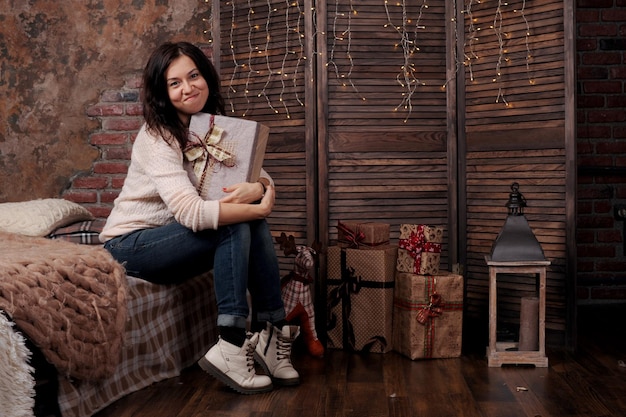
410 112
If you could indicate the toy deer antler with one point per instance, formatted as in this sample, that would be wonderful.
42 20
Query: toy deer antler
287 244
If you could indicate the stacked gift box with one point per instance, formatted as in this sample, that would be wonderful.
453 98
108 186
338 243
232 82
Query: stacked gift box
419 249
428 303
383 296
360 282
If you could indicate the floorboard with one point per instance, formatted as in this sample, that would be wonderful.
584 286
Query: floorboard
588 382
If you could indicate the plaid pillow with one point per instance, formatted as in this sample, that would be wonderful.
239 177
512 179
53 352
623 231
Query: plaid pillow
85 232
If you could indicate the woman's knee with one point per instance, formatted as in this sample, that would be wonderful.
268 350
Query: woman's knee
239 233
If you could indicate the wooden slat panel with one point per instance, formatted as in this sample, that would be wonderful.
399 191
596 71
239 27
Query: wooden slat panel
513 77
386 162
263 78
364 59
389 187
517 136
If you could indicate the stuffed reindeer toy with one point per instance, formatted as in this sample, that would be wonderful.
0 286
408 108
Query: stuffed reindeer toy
296 291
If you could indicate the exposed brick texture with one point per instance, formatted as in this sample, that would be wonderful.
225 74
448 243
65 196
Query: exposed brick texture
120 117
601 147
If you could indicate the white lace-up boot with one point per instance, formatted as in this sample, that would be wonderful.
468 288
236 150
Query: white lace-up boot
234 366
273 353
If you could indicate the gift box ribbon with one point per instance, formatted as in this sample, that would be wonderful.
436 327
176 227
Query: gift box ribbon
428 311
354 238
349 284
416 244
432 310
205 153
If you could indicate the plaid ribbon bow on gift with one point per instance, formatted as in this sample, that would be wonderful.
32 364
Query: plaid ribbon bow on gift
432 310
204 153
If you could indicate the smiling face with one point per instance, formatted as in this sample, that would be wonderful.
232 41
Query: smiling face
186 87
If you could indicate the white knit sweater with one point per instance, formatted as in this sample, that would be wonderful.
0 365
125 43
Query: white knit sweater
158 190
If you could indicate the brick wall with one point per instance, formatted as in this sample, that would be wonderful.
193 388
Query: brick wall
120 116
601 141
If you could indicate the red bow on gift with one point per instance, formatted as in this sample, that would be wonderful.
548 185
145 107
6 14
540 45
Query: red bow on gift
415 244
431 310
354 238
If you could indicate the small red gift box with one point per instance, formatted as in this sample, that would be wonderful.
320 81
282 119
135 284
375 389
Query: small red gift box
368 235
419 249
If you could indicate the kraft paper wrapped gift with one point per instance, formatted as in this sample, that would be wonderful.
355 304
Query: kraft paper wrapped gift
223 151
428 315
362 235
419 249
360 298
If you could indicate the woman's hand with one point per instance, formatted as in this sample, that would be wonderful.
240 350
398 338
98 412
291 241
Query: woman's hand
267 202
243 193
236 213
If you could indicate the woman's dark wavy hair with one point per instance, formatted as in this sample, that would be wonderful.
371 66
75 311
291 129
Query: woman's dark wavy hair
159 113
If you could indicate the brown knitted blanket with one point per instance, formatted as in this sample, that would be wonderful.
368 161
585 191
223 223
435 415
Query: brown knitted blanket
69 299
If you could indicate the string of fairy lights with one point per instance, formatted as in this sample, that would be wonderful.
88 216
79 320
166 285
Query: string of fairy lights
405 18
497 28
409 42
345 35
474 34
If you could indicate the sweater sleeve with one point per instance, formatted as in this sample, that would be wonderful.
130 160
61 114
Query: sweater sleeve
265 175
163 164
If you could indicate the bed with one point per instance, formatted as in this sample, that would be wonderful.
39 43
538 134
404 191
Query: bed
77 333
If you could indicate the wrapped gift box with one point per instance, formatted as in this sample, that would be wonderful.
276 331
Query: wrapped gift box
366 235
360 298
428 315
419 249
223 151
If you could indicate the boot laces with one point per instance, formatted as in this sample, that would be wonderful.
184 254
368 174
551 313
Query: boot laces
250 357
283 349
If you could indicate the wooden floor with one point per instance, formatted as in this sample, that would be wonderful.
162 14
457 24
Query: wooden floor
590 382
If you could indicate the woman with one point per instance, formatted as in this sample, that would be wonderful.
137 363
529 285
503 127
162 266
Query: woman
162 231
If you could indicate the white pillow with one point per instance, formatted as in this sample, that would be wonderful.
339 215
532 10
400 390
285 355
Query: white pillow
40 217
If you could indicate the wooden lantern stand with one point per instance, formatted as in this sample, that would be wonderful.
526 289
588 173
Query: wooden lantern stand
501 353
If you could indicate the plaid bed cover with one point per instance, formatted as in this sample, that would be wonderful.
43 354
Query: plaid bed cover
85 232
169 328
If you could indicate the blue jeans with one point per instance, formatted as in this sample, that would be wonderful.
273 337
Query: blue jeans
242 257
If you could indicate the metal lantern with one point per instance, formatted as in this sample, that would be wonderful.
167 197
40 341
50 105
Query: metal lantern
516 241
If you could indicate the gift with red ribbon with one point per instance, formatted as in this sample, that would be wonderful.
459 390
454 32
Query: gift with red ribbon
428 315
419 249
360 298
362 235
223 151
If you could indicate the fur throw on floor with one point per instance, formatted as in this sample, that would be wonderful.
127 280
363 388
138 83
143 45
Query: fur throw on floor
68 299
17 384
